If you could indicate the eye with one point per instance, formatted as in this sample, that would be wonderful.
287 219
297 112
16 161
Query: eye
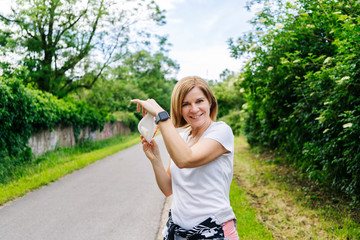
184 104
200 101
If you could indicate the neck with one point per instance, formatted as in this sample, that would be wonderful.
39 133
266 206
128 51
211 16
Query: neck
197 132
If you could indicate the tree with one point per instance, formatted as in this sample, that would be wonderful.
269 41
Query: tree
151 73
303 86
228 94
140 75
64 45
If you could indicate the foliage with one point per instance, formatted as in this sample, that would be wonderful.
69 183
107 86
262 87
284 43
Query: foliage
303 86
141 75
128 118
230 98
235 119
63 45
24 111
229 95
150 73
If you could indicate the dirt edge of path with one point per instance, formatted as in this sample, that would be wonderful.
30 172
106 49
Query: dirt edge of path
164 217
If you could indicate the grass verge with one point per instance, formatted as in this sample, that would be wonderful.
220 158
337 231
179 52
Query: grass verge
55 164
248 227
288 206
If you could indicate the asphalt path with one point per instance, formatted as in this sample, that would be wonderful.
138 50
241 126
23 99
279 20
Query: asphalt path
114 198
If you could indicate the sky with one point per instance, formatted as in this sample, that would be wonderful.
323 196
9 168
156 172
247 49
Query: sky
198 31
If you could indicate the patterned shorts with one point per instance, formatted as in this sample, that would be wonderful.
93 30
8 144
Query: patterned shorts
208 229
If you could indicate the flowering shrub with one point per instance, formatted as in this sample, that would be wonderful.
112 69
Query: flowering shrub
302 85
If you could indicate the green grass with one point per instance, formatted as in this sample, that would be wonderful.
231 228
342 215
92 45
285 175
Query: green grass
55 164
292 207
248 226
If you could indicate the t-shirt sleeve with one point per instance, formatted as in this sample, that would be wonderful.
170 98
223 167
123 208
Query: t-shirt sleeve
222 133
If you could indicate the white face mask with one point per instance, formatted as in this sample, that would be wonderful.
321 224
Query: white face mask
147 127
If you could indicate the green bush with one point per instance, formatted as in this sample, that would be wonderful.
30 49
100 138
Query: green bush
229 95
128 118
235 119
24 111
303 87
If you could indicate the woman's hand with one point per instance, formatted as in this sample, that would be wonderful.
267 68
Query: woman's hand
151 149
150 106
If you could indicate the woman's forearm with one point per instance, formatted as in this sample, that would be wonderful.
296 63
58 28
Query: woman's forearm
178 150
163 179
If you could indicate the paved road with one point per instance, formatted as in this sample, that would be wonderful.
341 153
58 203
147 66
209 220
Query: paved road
114 198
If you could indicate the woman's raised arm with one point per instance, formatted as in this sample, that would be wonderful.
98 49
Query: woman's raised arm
183 156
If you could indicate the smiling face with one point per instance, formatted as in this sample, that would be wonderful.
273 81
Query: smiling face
195 108
185 92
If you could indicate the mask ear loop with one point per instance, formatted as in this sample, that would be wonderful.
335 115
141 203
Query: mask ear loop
157 127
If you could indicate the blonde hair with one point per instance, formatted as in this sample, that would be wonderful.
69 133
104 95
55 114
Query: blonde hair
181 89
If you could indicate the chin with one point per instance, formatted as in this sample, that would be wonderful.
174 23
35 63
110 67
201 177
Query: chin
197 123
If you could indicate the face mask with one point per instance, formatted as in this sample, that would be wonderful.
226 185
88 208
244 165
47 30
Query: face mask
147 127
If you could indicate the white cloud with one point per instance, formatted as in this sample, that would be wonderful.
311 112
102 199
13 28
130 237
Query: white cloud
168 4
209 23
207 62
199 31
174 20
5 6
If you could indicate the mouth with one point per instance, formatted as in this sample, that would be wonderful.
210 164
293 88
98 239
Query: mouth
196 117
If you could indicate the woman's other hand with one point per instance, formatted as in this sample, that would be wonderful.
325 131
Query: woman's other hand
151 149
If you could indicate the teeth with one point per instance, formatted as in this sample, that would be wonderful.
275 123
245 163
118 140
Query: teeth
196 117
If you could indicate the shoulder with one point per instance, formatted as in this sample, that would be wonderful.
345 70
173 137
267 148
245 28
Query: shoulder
222 133
220 127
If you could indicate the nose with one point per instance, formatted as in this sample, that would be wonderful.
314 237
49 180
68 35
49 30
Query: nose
194 108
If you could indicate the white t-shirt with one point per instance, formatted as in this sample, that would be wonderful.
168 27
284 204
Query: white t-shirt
202 192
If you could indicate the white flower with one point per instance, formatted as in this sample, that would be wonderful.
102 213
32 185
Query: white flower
254 47
296 61
320 119
347 125
242 90
284 60
262 20
250 60
270 69
343 79
327 60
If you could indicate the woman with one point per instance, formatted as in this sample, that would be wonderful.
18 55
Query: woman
201 166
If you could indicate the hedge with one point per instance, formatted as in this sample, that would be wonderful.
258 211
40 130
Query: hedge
24 111
303 88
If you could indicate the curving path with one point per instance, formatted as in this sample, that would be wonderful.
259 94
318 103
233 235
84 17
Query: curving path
114 198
